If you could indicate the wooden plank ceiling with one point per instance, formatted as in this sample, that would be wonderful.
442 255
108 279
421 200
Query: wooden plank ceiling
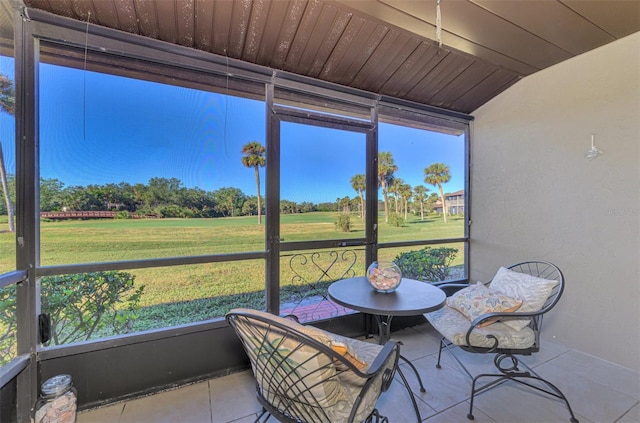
382 46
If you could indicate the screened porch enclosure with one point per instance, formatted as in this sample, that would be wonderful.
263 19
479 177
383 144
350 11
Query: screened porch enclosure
164 162
225 185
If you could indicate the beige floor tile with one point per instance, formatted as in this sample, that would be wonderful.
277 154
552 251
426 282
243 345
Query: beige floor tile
631 416
512 403
428 330
445 387
594 400
396 404
189 404
548 351
250 419
415 344
233 397
108 414
611 375
458 413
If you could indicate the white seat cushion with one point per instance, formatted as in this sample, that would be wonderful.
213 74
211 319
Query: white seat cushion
453 326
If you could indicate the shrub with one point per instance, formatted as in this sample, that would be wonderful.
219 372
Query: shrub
396 220
172 210
427 264
7 324
82 306
122 214
343 223
85 303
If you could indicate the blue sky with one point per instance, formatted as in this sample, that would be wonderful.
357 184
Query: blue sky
7 122
98 129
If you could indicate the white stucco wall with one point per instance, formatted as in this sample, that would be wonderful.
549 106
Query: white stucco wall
535 196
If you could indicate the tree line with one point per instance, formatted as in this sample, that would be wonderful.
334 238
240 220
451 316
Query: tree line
166 197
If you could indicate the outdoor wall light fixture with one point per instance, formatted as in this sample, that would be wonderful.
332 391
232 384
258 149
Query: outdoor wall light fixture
593 152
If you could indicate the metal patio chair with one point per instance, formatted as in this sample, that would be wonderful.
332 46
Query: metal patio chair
536 286
305 374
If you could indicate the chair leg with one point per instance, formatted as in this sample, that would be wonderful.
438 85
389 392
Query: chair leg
259 419
520 377
438 366
413 367
448 346
506 373
554 391
413 399
376 417
474 391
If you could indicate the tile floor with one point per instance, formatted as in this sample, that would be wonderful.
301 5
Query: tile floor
599 392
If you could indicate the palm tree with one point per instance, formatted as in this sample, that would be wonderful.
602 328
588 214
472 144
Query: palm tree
392 189
359 183
7 105
254 157
344 203
420 195
386 169
405 192
438 174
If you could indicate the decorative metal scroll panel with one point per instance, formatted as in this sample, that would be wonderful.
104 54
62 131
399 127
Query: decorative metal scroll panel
306 276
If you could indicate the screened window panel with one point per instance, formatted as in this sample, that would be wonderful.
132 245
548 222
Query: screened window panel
7 153
417 170
317 186
138 169
138 300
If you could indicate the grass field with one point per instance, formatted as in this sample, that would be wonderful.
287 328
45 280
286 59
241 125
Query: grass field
189 293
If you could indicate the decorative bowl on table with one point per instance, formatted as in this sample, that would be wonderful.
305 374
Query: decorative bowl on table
384 276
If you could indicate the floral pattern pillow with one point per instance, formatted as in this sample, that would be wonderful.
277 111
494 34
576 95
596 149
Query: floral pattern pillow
532 290
476 300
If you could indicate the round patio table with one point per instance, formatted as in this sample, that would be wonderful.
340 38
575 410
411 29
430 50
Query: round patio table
412 298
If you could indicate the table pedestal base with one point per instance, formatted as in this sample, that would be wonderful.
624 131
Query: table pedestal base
384 331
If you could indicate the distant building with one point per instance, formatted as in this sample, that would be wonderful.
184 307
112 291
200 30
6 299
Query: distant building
454 201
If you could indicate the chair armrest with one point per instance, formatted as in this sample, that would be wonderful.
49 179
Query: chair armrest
389 348
496 315
378 367
378 363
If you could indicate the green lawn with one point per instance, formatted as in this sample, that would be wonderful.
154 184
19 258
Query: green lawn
75 241
190 293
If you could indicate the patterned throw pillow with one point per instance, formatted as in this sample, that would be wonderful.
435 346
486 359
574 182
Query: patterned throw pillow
476 300
532 290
